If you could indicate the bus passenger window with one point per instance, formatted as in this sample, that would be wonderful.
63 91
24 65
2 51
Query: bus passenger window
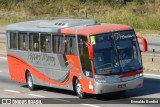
23 41
13 40
34 42
71 45
45 42
80 45
58 44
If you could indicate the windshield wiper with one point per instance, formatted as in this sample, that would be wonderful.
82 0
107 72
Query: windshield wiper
104 65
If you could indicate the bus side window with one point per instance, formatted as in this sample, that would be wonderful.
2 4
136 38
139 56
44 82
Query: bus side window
58 43
13 40
83 51
34 42
23 41
71 45
45 42
80 45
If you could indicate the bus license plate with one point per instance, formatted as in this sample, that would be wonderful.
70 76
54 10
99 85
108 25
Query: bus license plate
121 85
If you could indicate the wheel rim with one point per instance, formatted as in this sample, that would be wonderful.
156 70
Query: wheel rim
79 88
30 81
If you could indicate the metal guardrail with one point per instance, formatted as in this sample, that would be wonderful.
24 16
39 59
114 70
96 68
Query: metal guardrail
2 32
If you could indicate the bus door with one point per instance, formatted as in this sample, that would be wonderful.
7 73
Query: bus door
84 56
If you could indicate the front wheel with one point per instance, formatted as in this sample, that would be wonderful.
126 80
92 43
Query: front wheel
78 89
122 92
30 83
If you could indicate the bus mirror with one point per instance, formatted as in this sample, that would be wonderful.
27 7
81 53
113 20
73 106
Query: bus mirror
144 43
90 50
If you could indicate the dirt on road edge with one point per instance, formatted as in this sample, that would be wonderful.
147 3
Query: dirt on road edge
2 47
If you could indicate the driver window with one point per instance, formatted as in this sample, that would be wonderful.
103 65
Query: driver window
83 51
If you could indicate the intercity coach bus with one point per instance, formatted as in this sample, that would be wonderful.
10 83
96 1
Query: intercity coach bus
75 54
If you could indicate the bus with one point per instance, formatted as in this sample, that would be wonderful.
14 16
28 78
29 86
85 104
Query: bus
75 54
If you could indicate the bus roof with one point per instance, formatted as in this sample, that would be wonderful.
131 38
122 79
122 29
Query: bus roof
53 26
96 29
70 26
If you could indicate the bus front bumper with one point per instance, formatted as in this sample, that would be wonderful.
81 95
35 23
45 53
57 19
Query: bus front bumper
101 88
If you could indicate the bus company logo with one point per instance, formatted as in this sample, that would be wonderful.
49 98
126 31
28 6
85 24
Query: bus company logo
37 57
6 101
118 36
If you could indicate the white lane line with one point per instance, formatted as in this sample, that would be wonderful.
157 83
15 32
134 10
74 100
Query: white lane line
13 91
3 58
61 100
1 71
35 95
146 74
90 105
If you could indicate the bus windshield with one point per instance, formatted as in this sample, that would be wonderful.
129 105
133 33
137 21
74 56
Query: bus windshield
116 52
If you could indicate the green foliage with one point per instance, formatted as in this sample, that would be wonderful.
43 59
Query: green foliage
140 14
138 1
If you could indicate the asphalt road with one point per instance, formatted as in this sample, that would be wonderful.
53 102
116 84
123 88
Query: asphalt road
65 98
153 43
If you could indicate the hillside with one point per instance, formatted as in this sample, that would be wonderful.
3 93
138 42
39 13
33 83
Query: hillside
141 14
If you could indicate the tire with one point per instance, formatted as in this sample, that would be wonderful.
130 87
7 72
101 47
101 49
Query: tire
30 83
78 90
122 92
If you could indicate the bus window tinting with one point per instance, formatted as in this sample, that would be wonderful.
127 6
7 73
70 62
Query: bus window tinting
34 41
83 51
71 45
58 44
45 42
23 41
13 40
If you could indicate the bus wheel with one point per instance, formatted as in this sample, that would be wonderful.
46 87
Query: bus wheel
30 83
78 90
122 92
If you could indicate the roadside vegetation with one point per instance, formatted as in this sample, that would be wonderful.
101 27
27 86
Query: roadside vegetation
143 15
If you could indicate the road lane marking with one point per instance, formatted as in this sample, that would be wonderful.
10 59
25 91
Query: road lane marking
35 95
146 74
61 100
3 58
1 71
13 91
90 105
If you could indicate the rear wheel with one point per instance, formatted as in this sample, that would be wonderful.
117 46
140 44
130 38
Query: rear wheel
30 83
78 89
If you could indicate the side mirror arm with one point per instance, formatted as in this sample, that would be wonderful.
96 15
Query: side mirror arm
90 50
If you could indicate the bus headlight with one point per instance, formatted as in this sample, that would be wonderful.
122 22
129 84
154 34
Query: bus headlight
101 80
138 75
